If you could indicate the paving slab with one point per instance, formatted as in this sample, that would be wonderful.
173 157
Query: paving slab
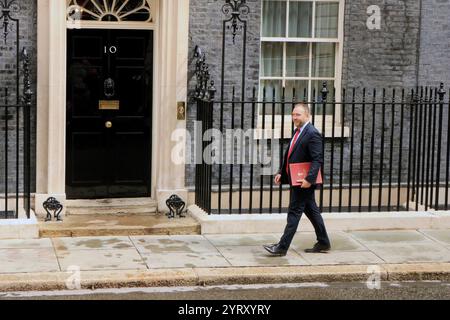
92 243
95 259
26 244
226 240
28 260
341 258
388 237
340 241
402 246
442 236
429 251
172 244
185 260
257 256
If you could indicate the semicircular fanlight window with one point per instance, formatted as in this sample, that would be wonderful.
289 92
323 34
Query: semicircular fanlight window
110 10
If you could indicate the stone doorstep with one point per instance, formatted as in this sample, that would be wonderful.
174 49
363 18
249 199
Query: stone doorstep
144 206
273 223
111 202
224 276
113 225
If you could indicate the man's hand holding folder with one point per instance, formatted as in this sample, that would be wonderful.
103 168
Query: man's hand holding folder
299 172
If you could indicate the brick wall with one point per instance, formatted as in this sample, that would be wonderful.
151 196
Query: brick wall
379 58
434 44
205 30
434 66
410 48
372 59
386 57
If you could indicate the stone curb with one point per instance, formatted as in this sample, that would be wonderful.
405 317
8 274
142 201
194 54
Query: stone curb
224 276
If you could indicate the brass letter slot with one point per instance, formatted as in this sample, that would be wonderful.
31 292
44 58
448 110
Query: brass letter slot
109 105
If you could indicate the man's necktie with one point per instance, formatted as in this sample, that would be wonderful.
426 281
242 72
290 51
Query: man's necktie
291 148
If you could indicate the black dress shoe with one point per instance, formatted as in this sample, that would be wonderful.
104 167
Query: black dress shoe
275 250
318 248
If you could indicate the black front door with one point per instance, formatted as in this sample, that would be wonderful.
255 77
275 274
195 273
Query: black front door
109 107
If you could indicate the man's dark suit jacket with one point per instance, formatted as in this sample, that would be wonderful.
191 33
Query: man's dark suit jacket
308 148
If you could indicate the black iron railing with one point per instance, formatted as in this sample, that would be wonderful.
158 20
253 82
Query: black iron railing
383 151
15 135
15 118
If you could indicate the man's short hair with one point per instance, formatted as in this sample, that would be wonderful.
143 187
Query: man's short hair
304 106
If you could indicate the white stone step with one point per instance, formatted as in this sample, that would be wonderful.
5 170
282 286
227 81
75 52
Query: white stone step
139 206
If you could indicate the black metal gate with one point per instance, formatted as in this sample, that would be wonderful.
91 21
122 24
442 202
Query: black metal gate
15 119
385 150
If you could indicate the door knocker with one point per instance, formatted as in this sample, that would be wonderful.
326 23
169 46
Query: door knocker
109 89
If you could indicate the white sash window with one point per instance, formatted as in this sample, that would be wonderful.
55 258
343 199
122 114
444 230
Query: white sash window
301 46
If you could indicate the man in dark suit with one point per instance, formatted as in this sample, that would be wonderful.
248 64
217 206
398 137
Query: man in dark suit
305 146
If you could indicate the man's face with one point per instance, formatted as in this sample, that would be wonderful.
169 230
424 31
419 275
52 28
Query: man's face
299 117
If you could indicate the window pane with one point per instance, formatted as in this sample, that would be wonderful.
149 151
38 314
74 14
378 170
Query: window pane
327 14
300 19
316 91
270 85
301 90
323 63
272 59
274 18
297 55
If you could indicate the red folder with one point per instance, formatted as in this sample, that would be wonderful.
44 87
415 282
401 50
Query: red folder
299 171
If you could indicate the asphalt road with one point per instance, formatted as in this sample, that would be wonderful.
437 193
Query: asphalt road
433 290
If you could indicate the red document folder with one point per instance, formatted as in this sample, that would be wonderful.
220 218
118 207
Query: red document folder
299 171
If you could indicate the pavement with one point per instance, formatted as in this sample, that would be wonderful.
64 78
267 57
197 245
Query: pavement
197 260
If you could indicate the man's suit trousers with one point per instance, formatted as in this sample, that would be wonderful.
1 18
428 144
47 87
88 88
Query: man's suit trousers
303 200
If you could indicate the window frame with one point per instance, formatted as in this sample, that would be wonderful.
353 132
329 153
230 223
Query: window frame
337 74
125 24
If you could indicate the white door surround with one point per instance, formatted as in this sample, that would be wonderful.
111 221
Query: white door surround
170 24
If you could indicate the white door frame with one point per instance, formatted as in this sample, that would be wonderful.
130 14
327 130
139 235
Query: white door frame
170 85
